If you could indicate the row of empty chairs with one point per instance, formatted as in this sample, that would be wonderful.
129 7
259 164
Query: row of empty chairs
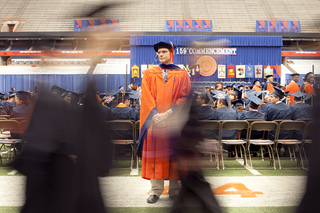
243 144
9 127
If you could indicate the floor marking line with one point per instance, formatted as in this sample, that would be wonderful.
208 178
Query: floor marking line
13 172
134 172
253 171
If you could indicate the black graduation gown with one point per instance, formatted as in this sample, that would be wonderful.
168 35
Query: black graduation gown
205 113
263 107
301 110
123 113
105 112
194 187
279 111
56 182
7 106
226 113
252 114
246 101
21 111
310 201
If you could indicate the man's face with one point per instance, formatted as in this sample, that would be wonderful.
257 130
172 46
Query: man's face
18 102
199 101
311 79
68 99
273 99
257 83
55 93
164 56
266 99
295 78
121 89
270 79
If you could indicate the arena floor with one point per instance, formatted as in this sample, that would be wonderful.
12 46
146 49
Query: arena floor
237 190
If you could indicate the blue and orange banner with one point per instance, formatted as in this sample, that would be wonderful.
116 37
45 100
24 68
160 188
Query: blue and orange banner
283 26
77 25
295 27
261 26
178 25
277 71
169 26
272 26
187 25
207 25
96 25
196 25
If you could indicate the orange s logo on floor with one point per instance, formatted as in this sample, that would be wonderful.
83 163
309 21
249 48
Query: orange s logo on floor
241 190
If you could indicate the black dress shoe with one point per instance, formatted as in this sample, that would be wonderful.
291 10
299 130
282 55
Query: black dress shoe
173 197
152 199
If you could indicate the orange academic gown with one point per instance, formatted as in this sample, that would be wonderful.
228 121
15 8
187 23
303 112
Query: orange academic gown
256 88
268 86
308 88
158 97
293 87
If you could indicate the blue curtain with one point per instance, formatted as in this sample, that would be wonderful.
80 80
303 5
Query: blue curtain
115 81
68 82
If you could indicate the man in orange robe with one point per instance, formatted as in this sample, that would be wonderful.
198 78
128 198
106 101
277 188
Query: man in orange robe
164 90
256 86
293 87
268 86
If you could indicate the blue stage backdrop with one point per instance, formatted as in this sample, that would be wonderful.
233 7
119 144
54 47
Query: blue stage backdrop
250 50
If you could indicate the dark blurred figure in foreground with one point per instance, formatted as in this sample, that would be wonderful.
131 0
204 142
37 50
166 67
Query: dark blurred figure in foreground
194 187
310 201
67 149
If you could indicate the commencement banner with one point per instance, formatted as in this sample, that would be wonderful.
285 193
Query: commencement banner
231 73
258 71
268 70
249 71
240 71
206 51
221 71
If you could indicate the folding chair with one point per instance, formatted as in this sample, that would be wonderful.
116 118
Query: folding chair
125 125
9 143
5 116
19 119
263 126
235 125
212 146
307 120
307 140
291 143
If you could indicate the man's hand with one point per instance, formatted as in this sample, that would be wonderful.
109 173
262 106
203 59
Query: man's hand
160 117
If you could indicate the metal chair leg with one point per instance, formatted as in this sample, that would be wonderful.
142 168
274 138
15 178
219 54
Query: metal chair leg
250 156
276 148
